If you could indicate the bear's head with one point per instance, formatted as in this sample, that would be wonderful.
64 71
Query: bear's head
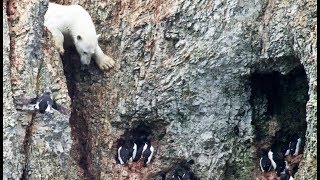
86 47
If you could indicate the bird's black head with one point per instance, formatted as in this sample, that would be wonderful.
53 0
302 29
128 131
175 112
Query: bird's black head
294 137
175 175
280 169
294 169
265 163
292 147
284 177
176 171
266 166
120 142
263 152
187 175
47 93
162 174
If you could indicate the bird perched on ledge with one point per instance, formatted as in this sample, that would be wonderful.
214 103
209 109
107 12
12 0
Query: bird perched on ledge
278 162
43 104
294 146
265 163
175 175
147 152
123 154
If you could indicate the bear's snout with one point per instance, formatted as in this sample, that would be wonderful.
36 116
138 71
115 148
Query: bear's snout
85 61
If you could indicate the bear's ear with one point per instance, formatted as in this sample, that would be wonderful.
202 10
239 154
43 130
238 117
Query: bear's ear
98 35
79 37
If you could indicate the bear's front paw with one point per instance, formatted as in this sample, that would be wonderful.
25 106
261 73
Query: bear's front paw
60 50
105 63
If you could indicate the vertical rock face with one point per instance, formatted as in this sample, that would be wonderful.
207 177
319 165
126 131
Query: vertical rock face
36 146
13 161
191 72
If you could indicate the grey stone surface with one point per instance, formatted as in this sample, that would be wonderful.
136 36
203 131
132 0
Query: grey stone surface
36 146
183 69
13 131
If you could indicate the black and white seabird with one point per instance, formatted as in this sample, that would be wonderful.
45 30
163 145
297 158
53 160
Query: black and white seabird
147 153
281 166
175 175
294 146
278 162
187 175
286 175
270 156
140 143
44 104
265 163
294 170
139 152
124 153
133 152
162 174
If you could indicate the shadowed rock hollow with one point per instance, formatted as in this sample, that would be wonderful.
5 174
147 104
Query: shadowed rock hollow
211 80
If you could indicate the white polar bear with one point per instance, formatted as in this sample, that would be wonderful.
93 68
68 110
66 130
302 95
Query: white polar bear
73 24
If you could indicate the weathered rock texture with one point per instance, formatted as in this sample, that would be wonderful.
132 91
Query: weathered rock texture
36 146
185 69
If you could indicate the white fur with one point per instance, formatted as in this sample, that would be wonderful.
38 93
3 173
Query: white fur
270 156
119 157
297 147
149 158
66 23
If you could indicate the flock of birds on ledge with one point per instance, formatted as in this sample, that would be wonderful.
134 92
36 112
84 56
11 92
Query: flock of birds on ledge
141 147
134 150
271 159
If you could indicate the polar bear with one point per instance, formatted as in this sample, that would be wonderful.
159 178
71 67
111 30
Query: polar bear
72 24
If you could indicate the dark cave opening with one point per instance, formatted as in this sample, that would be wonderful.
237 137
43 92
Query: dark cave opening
282 98
146 125
265 100
278 108
154 132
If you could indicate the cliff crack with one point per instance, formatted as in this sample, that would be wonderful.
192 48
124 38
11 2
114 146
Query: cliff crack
26 145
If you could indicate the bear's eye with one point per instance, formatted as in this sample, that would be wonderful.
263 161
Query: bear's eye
79 37
85 52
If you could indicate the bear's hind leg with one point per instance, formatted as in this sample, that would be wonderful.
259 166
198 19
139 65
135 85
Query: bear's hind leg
103 61
58 39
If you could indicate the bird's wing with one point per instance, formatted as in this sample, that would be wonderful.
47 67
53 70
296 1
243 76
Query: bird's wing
25 101
60 108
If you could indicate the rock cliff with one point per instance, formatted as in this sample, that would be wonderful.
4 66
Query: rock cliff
211 82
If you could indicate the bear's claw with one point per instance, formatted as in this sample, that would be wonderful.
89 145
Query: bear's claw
106 63
60 50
